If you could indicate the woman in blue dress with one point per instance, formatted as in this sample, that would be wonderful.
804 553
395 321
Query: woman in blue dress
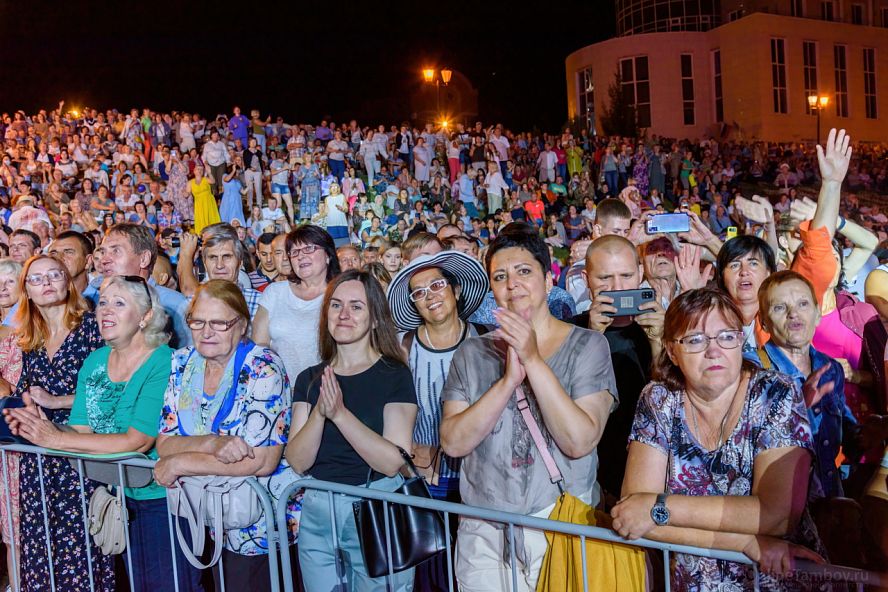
231 207
309 177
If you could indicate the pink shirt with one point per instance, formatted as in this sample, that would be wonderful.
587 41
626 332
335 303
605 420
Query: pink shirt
836 340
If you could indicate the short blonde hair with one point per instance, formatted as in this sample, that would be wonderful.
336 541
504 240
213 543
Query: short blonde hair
155 330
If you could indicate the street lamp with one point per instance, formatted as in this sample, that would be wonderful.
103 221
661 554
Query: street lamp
818 104
438 77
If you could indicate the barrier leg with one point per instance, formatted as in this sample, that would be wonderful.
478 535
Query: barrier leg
124 513
46 523
388 547
173 544
13 577
450 575
666 570
83 505
340 571
583 556
512 557
222 566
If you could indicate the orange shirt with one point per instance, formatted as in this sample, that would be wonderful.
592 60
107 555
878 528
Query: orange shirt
535 209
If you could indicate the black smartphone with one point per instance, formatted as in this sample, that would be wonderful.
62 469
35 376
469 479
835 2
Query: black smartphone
680 222
6 436
627 301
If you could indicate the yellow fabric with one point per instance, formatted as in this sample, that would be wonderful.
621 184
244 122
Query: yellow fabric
205 210
610 567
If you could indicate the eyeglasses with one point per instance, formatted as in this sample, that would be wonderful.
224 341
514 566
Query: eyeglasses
306 250
698 342
215 324
423 293
39 279
139 280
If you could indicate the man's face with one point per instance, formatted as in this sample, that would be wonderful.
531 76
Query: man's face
116 256
21 248
608 270
349 259
266 257
659 260
221 261
281 260
70 252
613 225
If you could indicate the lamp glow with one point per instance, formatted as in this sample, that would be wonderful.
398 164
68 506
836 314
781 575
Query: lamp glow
428 74
445 75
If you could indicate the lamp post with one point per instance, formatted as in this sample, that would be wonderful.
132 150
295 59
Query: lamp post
439 77
818 104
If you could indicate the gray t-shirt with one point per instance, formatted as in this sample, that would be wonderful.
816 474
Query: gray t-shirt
506 471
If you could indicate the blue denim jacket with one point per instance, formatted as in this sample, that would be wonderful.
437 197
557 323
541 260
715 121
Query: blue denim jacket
830 418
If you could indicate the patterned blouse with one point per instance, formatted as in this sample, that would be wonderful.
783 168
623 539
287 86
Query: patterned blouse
774 416
260 415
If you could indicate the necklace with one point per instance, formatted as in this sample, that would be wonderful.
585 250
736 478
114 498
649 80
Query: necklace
429 337
724 421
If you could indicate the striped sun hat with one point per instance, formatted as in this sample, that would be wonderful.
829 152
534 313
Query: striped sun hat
468 272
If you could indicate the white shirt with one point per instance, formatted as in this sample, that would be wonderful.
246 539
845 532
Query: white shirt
292 327
215 153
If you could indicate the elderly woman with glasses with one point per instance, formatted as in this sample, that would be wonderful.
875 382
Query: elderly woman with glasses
56 333
719 453
119 394
226 411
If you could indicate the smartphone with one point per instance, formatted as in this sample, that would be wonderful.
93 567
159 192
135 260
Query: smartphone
731 232
669 223
627 301
6 436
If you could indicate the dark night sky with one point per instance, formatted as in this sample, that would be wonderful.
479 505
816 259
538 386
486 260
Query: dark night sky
304 60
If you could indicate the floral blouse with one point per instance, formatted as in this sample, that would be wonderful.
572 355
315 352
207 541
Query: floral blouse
260 415
774 416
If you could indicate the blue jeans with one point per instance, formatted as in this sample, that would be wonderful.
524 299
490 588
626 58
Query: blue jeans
322 560
610 177
149 548
337 167
260 141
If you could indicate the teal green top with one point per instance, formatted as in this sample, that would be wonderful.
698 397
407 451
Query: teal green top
113 407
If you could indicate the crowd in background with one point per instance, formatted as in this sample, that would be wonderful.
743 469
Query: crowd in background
242 296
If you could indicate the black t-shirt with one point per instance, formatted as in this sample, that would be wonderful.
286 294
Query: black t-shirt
365 395
631 358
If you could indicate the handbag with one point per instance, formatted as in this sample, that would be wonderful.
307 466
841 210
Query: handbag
220 502
106 521
417 534
617 567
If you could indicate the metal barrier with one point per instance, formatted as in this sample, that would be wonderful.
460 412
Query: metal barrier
805 569
280 565
123 478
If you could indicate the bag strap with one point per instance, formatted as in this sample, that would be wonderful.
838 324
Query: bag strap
763 356
197 531
537 435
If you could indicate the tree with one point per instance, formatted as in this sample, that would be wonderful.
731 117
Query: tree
618 118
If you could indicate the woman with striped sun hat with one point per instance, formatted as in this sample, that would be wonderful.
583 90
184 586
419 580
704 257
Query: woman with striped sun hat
431 300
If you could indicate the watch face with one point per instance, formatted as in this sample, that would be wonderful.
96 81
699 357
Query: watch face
660 515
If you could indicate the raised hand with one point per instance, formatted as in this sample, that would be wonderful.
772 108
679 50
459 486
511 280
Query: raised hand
758 209
802 209
835 158
687 268
812 391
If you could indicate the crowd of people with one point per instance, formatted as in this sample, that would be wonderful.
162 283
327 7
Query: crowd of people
242 297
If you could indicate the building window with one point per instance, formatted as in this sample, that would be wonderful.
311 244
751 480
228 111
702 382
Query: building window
885 17
809 60
687 88
828 10
636 83
797 7
869 82
778 75
735 15
840 59
857 14
717 86
586 111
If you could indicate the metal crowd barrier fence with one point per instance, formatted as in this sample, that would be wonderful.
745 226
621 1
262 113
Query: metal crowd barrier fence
280 564
126 472
805 569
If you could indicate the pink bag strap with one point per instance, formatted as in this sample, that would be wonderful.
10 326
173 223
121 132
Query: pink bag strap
537 435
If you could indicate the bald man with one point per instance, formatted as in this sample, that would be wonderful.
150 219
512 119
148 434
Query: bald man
612 263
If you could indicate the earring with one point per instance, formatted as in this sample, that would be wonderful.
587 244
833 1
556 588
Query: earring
141 324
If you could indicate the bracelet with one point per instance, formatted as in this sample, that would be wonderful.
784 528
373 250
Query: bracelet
841 224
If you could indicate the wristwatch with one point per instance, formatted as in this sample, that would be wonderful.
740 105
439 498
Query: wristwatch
660 513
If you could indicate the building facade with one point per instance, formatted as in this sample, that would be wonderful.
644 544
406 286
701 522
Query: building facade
741 68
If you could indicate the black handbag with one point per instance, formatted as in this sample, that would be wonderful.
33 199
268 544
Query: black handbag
417 534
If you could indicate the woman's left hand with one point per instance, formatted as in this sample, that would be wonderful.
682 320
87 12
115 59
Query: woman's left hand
632 515
166 473
30 423
331 395
519 333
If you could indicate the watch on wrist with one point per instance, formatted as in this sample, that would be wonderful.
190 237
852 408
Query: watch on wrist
660 513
